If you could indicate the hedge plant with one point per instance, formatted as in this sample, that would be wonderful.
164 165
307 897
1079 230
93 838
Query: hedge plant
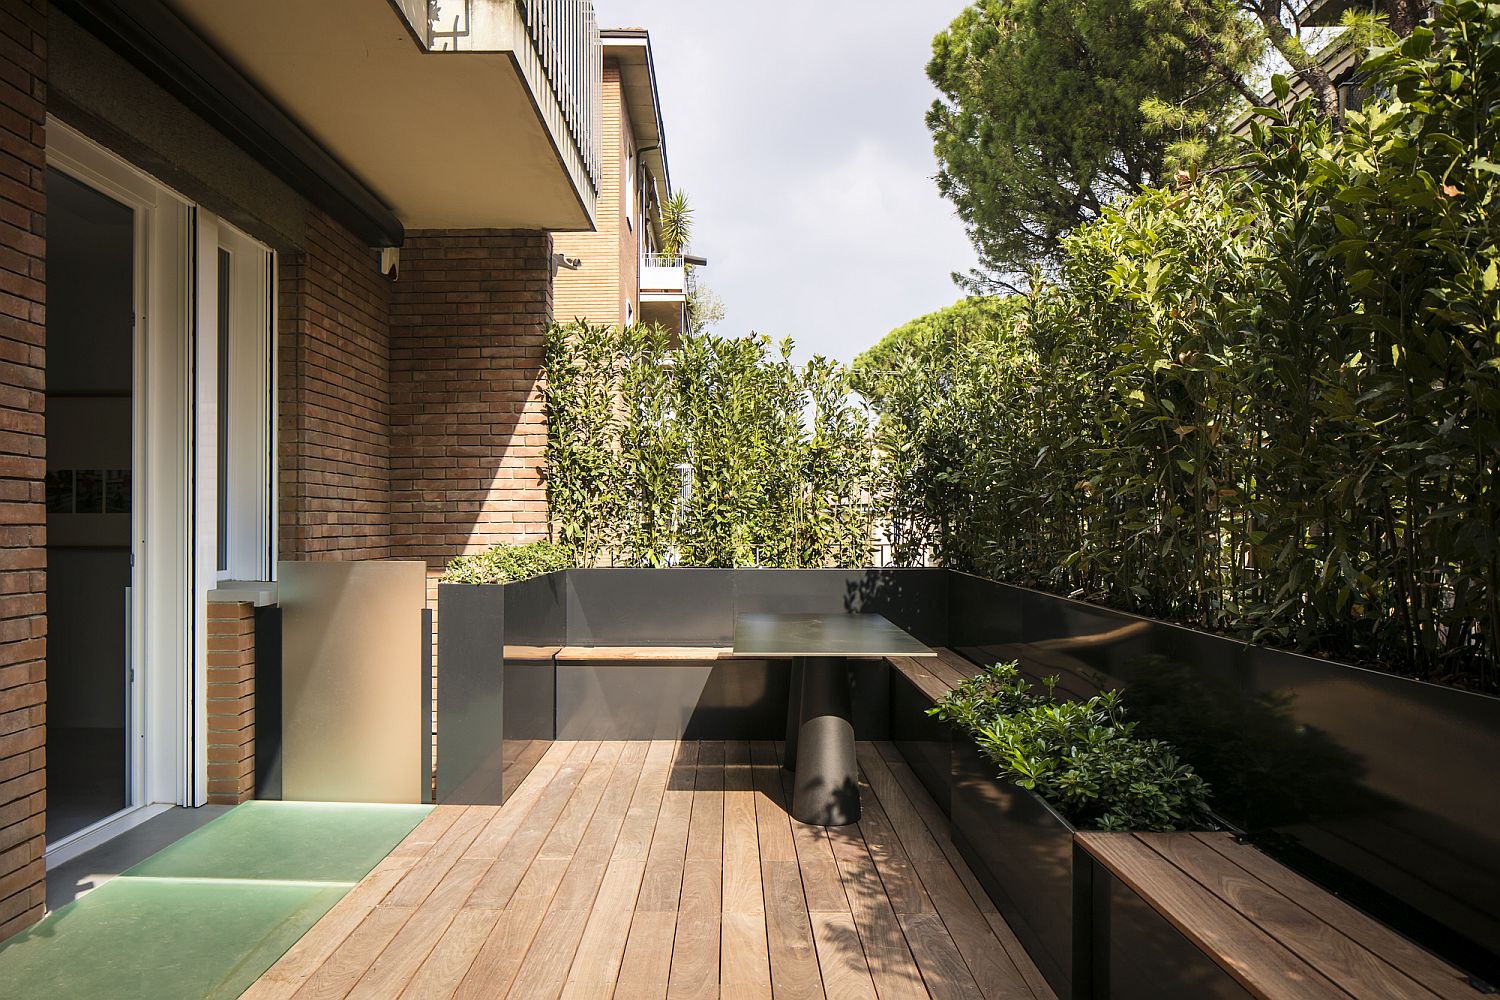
1081 756
509 563
1265 402
717 451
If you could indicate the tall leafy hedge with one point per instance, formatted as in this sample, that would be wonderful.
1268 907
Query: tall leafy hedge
717 452
1267 403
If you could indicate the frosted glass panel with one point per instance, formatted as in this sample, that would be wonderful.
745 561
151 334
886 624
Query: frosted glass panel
352 665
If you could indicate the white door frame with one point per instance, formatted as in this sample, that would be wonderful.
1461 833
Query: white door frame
163 763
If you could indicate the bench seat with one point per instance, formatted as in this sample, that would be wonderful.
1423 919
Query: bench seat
642 654
1275 933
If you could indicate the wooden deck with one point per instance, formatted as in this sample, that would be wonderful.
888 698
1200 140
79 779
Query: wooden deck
666 870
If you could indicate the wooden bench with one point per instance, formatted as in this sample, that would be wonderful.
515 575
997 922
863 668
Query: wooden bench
1276 934
641 654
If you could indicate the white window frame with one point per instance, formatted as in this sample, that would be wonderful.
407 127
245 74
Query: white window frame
160 763
174 483
252 439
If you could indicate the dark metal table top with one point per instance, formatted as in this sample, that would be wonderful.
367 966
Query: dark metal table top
769 636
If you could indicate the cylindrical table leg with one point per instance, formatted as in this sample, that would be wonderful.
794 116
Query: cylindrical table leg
793 715
826 787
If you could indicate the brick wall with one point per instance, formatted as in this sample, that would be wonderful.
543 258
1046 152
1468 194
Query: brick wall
468 319
597 290
23 559
231 703
334 384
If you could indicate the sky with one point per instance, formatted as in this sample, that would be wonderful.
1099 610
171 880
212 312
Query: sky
797 132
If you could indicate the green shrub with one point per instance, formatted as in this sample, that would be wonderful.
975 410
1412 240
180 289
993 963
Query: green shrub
994 691
510 563
1263 404
716 451
1081 756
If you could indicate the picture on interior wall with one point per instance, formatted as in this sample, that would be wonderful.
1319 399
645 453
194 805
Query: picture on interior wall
88 491
60 492
117 491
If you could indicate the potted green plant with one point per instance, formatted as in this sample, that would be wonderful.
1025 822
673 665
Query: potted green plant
1030 769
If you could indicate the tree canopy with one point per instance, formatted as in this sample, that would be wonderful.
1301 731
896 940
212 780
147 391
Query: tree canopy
938 334
1040 124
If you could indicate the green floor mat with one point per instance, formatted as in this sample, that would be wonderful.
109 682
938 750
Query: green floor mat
287 841
207 915
156 939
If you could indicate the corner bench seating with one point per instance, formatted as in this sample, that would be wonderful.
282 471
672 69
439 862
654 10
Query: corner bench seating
1278 935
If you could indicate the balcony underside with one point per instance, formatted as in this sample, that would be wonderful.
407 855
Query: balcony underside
643 869
446 139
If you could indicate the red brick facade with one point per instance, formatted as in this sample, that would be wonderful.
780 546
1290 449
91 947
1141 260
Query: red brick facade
23 556
469 314
409 421
334 385
231 703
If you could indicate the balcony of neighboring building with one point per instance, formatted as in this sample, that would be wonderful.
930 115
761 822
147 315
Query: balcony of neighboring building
454 113
664 292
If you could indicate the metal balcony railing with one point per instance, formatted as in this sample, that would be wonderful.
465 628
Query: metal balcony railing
565 35
661 260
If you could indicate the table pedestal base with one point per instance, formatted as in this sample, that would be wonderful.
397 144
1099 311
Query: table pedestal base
826 785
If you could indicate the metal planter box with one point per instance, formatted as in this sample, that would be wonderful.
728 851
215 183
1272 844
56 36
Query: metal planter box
1022 852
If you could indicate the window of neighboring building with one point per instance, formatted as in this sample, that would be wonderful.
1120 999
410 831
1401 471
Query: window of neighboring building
630 188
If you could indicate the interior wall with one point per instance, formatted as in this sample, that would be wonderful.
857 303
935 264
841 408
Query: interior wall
90 365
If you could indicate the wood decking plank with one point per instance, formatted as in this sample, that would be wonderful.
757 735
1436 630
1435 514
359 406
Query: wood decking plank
841 957
502 956
744 955
634 842
988 961
504 877
389 975
646 965
789 936
892 966
544 972
352 959
435 865
937 826
945 974
448 962
896 872
793 955
641 871
596 963
555 765
695 949
821 881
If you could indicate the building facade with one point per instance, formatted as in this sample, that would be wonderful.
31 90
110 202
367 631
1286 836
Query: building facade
274 282
617 275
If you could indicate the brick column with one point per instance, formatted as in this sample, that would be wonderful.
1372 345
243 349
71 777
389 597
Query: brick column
231 703
23 466
334 387
469 314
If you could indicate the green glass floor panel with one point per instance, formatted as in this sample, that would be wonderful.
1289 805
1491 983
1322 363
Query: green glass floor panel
161 940
288 841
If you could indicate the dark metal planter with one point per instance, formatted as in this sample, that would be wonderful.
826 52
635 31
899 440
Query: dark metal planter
1022 852
924 741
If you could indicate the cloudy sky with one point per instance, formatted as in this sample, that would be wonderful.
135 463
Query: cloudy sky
797 132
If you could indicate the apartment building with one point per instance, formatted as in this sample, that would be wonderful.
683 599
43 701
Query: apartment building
274 280
617 274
